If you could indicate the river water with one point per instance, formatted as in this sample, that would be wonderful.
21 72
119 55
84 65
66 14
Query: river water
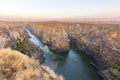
74 65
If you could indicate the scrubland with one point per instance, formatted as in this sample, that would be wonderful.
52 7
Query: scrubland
17 66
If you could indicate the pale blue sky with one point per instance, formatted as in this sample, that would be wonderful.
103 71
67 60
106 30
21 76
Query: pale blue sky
59 9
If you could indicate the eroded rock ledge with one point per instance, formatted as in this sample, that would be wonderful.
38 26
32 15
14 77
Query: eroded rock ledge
53 35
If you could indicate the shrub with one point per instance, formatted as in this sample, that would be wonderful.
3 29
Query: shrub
17 66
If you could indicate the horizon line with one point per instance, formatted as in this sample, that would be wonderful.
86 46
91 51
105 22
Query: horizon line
48 20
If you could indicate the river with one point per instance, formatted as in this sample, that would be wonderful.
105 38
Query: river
74 65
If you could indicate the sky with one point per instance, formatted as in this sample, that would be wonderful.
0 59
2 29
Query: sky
59 9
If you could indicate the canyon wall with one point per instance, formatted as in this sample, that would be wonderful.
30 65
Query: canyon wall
52 34
101 40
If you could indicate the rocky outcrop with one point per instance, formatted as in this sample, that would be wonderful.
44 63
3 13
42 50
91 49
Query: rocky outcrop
102 40
52 34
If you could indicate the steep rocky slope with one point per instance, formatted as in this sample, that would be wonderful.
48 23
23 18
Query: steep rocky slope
100 39
103 42
53 34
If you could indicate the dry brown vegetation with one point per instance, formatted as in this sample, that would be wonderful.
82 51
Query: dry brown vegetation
16 66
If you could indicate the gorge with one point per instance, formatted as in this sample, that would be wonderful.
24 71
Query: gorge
84 50
99 39
74 65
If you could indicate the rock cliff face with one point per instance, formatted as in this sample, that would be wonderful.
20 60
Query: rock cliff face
103 42
100 39
52 34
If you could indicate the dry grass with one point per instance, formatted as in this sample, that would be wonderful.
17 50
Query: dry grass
16 66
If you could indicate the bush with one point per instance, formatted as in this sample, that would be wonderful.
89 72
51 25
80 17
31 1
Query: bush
17 66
